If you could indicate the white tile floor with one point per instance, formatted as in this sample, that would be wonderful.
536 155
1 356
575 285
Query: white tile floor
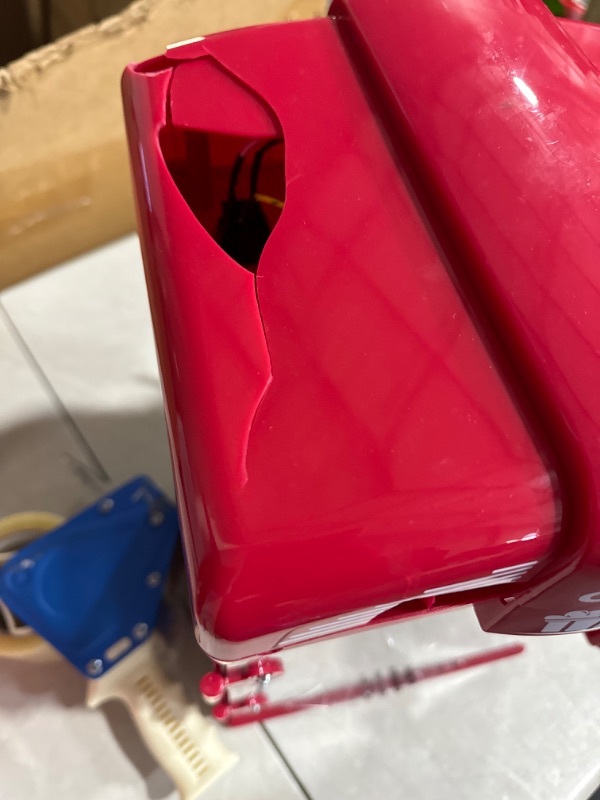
80 411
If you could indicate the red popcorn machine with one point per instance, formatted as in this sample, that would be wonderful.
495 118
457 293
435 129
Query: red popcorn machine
371 244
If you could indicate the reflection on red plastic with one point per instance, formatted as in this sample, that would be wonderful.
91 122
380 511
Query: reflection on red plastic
401 405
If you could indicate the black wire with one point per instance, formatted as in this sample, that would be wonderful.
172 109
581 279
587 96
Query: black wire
257 163
237 167
235 174
255 170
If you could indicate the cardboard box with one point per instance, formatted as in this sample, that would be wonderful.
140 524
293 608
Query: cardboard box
64 174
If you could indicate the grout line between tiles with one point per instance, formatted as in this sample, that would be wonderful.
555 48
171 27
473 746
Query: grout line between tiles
291 771
99 472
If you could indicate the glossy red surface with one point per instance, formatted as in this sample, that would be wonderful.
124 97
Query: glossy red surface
401 403
500 112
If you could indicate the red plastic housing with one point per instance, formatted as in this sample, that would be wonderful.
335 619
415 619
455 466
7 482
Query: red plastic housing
399 411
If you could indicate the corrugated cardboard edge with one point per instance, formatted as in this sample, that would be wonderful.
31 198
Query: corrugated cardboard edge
16 75
64 174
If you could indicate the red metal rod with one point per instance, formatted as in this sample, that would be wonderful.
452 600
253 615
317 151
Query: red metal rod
233 715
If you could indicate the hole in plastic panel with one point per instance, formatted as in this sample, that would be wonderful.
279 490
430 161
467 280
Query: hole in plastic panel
238 214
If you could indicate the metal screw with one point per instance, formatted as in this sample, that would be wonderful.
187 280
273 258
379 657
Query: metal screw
106 506
156 518
140 630
153 580
94 667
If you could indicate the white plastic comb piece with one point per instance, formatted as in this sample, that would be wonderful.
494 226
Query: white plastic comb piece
181 740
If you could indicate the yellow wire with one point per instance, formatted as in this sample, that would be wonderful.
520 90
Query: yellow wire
272 201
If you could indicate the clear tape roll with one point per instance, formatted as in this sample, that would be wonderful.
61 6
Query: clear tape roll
16 643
